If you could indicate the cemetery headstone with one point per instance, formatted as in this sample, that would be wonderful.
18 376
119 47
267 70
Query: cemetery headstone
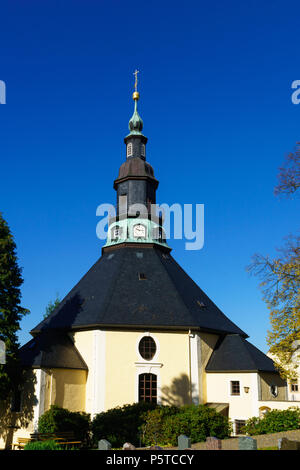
286 444
128 446
213 443
104 445
247 443
184 442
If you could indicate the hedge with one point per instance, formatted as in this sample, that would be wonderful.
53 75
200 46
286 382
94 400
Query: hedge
121 424
58 419
274 421
164 425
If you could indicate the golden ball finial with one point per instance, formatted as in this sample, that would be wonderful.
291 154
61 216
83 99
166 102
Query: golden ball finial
136 95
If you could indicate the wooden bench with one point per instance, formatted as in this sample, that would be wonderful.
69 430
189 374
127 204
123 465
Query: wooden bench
63 438
21 442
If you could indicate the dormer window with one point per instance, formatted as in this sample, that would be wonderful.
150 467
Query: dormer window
143 150
129 150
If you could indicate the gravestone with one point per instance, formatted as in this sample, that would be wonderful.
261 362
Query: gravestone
184 442
286 444
247 443
128 446
213 443
104 445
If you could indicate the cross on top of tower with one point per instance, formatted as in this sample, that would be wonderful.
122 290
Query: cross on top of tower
136 79
136 94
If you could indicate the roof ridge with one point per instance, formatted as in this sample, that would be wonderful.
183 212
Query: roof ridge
251 347
246 345
64 298
171 279
108 297
202 292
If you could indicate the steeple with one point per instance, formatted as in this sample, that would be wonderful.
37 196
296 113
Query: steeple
135 141
136 122
136 187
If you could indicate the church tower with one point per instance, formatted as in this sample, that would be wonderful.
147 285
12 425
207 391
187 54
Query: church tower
136 220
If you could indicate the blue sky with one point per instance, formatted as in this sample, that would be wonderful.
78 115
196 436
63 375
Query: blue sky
215 83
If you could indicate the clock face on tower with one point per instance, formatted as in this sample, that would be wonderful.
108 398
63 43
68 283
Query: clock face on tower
139 231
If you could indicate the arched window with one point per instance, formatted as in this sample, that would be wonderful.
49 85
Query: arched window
263 410
148 388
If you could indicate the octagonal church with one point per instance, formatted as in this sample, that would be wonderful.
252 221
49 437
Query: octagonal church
136 327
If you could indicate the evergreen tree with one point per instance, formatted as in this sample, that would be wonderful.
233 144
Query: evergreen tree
52 306
11 311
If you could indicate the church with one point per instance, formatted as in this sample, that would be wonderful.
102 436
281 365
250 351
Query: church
136 327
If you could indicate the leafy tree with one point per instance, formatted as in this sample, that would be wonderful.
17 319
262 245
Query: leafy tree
11 312
280 282
52 306
289 175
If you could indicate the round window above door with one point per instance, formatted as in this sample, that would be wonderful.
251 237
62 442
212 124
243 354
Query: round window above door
147 348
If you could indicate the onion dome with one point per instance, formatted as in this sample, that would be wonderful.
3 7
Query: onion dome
136 122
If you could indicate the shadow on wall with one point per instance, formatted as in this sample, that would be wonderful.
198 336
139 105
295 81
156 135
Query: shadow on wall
181 392
10 421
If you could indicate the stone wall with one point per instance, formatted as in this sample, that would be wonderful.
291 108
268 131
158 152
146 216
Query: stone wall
264 440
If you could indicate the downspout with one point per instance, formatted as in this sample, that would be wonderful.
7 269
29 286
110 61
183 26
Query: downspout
190 369
51 381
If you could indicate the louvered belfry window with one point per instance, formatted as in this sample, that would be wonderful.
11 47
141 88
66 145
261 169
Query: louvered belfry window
148 388
129 149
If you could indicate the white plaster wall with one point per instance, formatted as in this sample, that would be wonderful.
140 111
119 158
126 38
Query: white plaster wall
241 406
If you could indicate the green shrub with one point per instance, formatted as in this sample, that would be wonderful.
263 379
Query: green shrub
152 429
121 424
198 422
274 421
42 445
58 419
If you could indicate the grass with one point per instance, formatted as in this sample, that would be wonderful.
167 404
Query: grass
269 448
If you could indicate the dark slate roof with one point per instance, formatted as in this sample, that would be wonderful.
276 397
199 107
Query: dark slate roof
111 295
51 349
234 353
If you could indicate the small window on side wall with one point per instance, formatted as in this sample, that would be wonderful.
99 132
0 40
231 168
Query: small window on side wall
239 426
143 150
235 387
294 386
274 390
